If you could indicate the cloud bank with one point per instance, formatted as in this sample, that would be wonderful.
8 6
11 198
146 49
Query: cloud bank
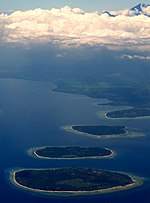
74 27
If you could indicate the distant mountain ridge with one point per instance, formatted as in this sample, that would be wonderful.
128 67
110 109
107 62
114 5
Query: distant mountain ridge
140 9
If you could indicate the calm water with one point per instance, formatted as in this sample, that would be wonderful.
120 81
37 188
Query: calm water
32 115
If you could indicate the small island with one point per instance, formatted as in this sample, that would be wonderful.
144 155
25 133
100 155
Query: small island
72 152
72 181
129 113
99 131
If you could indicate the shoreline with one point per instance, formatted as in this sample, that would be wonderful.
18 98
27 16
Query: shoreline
103 104
136 182
124 135
32 152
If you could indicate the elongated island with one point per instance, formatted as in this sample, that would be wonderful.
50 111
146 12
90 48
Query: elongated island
98 131
129 113
102 131
72 181
69 152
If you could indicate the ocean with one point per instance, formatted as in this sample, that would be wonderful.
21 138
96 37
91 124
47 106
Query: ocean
32 115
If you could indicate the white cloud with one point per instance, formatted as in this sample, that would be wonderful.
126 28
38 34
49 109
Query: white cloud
135 57
60 55
67 26
6 11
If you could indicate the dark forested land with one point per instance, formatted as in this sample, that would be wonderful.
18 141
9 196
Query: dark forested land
100 130
72 152
120 94
129 113
71 179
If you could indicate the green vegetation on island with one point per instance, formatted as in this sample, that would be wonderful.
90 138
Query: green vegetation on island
129 113
100 130
71 152
72 180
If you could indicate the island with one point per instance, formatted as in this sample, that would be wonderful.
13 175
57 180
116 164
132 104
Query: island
129 113
72 181
69 152
99 131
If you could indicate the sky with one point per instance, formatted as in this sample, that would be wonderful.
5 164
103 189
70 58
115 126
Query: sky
87 5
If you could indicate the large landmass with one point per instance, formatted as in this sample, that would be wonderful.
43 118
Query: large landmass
72 180
129 113
72 152
120 94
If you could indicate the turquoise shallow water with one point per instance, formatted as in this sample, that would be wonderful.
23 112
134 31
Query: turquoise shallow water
32 115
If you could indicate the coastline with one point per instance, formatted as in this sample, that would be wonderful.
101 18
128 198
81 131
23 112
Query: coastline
124 135
137 181
32 152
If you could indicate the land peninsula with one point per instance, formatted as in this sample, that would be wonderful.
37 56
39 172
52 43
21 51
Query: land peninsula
72 152
72 181
124 93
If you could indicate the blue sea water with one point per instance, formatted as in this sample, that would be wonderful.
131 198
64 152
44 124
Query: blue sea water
33 115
